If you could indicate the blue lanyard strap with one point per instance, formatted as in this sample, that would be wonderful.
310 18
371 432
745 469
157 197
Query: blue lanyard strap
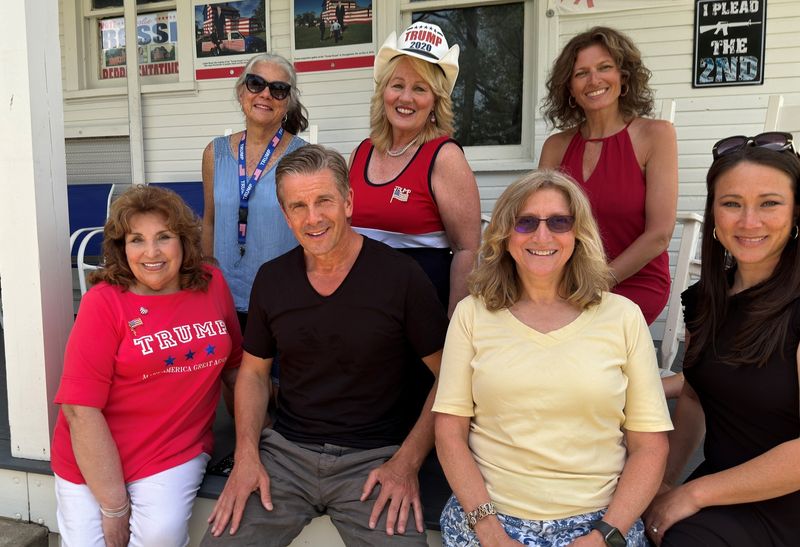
246 187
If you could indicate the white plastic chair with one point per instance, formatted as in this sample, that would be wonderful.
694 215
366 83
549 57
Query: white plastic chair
85 235
781 117
688 266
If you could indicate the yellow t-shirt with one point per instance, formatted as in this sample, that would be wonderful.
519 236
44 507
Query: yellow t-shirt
548 410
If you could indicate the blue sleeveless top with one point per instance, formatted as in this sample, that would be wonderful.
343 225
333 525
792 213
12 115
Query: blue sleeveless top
268 235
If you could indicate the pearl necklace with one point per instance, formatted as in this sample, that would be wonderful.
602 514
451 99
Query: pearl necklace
403 150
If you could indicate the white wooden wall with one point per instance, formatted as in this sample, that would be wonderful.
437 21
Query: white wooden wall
178 125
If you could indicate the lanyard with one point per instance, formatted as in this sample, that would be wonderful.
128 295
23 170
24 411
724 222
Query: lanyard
246 187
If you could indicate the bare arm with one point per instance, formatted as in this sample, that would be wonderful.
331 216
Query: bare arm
464 477
207 234
248 474
772 474
457 197
554 149
399 477
661 199
98 459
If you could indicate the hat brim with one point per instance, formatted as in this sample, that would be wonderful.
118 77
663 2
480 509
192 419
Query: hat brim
448 63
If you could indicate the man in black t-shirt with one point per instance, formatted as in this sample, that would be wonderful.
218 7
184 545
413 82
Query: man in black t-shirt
350 317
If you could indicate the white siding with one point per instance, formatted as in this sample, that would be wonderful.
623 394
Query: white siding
178 125
665 37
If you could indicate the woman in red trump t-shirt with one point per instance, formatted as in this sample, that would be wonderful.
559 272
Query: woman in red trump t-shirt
141 379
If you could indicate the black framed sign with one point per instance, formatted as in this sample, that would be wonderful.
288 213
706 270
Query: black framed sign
729 39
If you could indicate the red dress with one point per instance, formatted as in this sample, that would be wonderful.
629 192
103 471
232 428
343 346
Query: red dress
616 190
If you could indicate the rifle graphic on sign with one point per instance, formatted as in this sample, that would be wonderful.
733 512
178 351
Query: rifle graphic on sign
722 26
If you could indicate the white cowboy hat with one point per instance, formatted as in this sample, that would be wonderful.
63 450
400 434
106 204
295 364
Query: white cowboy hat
424 41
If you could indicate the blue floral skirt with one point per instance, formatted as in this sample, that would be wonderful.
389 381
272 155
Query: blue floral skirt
537 533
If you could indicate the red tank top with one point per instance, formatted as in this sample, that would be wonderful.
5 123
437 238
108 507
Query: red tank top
401 212
616 189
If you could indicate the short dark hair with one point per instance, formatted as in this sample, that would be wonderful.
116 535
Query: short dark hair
179 218
313 158
637 101
764 328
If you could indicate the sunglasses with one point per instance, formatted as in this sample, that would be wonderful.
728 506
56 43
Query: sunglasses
557 224
773 140
256 84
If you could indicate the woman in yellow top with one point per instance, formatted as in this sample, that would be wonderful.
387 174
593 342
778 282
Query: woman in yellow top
551 419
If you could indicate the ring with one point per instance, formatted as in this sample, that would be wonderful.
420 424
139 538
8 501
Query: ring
654 529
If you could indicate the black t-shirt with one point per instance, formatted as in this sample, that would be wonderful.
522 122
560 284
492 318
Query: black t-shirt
748 410
345 358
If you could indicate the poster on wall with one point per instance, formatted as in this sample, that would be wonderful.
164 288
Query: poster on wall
227 34
156 44
729 40
332 34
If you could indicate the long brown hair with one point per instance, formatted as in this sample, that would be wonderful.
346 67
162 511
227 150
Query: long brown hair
637 101
766 324
179 218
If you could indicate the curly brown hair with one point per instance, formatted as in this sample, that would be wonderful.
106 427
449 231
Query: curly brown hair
637 101
179 218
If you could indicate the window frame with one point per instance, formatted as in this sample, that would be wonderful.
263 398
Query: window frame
523 152
82 50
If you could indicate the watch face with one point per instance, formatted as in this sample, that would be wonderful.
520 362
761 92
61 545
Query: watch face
616 539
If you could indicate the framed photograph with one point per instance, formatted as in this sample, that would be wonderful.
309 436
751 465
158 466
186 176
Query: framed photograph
157 41
227 34
332 34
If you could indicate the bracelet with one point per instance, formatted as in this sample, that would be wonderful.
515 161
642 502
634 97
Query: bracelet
479 513
117 513
614 277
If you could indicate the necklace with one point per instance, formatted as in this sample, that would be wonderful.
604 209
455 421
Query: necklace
403 150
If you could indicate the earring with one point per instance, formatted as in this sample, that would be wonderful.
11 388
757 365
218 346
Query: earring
571 102
795 232
714 233
432 118
285 117
624 90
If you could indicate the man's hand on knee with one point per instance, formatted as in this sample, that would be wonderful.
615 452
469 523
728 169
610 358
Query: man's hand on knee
400 489
247 476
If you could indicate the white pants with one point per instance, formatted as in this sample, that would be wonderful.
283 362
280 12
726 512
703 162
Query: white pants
160 508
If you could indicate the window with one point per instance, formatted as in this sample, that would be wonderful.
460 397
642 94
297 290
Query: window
100 34
491 114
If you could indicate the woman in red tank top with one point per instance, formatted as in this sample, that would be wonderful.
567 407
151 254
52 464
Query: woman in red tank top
598 93
413 188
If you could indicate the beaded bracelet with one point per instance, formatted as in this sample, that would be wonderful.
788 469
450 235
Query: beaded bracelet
117 513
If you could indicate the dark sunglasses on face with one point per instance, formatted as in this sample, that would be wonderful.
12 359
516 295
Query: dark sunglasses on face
256 84
557 224
772 140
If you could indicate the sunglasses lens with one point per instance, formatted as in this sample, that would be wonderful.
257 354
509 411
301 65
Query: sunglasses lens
526 225
726 146
773 140
254 84
279 90
560 224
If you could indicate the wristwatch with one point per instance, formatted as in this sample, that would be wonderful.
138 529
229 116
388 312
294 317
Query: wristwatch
479 513
611 535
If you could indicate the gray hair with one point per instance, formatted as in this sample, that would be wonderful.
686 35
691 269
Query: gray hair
313 158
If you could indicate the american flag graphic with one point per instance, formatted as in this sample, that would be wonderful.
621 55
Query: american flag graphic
134 323
400 194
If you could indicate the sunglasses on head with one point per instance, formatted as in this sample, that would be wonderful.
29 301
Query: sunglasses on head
256 84
557 224
772 140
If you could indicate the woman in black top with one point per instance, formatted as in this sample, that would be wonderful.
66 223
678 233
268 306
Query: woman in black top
743 318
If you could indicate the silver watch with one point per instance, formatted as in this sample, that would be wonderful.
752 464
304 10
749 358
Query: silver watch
479 513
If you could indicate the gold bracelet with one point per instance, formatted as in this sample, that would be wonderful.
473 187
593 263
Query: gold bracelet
479 513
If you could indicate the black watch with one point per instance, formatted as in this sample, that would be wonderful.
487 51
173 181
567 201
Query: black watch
611 535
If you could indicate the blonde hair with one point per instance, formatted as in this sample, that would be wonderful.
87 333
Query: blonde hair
380 128
586 274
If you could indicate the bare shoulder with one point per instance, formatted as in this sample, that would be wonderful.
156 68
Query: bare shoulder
554 148
653 131
451 152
